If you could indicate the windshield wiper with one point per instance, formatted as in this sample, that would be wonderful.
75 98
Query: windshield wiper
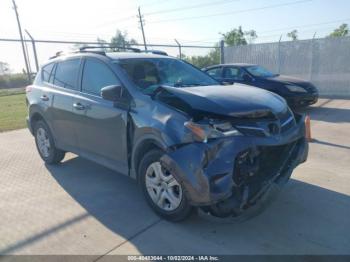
186 85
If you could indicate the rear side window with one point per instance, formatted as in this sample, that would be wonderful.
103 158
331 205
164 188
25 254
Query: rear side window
233 73
66 74
46 71
215 72
97 75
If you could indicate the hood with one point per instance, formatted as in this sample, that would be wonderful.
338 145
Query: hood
289 80
236 100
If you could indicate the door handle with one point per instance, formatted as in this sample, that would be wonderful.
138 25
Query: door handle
78 106
44 98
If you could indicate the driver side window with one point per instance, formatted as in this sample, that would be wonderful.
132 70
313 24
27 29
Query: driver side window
97 75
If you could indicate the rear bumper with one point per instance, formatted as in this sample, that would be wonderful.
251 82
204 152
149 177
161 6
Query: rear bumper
216 178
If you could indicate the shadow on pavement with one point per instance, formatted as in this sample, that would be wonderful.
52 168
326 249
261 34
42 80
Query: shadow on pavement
328 114
330 144
304 217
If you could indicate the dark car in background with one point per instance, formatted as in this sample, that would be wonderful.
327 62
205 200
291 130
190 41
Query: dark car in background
188 141
297 92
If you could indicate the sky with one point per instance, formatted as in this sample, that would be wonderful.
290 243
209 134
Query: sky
191 22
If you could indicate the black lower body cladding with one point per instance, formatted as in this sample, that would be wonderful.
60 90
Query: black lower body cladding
226 177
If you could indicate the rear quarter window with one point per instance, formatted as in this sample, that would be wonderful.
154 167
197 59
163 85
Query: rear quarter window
46 72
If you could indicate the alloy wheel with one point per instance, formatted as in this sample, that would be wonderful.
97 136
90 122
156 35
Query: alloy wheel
43 142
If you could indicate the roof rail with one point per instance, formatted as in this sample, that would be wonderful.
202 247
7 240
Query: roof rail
56 55
85 49
118 48
156 52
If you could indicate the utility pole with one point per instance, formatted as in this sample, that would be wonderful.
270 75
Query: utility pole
141 24
21 36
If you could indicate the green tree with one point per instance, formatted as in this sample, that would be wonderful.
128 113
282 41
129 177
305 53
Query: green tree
293 35
121 39
239 37
212 58
234 37
342 30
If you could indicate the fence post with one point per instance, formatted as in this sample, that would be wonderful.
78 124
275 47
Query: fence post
222 52
312 56
178 44
34 51
279 55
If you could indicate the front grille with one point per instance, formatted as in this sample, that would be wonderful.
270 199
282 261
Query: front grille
254 166
263 128
251 131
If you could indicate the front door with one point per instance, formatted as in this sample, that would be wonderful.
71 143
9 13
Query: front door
233 75
101 128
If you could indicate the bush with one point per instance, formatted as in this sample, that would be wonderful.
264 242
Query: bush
13 81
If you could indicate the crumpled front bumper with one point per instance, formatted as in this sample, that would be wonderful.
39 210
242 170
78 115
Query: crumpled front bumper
209 172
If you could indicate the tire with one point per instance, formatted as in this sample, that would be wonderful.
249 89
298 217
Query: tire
45 144
163 192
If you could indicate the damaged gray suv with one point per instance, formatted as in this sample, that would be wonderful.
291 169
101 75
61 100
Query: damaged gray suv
188 141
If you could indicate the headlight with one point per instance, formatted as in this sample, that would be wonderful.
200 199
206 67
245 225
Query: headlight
298 89
203 132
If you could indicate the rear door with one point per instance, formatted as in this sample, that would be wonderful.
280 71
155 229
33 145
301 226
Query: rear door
64 83
102 125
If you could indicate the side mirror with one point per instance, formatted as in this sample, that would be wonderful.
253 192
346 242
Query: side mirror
112 93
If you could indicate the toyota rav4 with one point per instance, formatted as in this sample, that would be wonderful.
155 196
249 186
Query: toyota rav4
188 141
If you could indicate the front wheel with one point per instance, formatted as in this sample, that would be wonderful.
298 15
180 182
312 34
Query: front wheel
162 191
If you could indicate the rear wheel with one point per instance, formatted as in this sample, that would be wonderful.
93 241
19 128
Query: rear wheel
45 144
161 189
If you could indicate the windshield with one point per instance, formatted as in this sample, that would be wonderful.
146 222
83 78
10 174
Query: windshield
259 71
150 73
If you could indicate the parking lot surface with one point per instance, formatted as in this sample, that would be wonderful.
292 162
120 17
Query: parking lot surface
79 207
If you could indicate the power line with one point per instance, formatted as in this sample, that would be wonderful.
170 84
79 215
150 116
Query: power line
234 12
190 7
279 29
127 18
306 25
132 9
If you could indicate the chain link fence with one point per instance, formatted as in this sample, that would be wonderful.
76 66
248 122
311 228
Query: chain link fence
325 62
38 51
